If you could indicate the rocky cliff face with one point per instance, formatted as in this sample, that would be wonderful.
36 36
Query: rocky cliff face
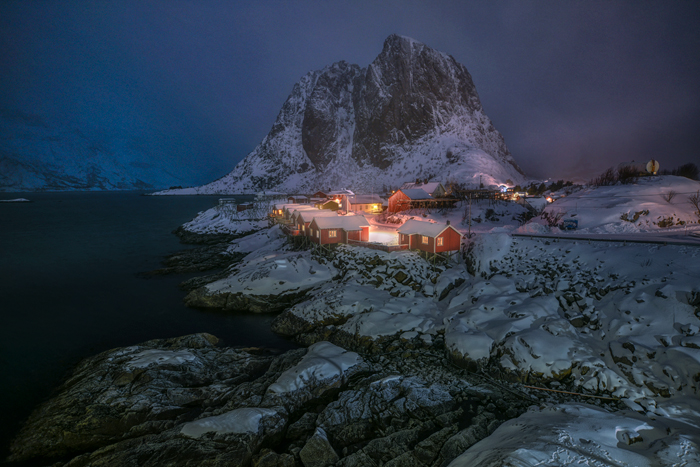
413 112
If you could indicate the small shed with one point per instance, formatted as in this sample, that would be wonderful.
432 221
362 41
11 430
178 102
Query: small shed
429 237
340 229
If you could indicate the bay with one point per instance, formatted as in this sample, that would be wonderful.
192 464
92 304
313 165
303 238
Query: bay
70 288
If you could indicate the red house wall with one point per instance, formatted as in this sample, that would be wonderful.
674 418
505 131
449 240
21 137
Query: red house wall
327 239
365 234
451 241
418 242
394 201
358 235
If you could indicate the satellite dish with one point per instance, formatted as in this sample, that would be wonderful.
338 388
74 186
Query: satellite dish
653 167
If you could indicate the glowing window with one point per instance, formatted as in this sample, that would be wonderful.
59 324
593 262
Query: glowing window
439 241
332 233
317 234
424 239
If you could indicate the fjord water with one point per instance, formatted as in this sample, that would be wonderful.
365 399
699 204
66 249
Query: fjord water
70 288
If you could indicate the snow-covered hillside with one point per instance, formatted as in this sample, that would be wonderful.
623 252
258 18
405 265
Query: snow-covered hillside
652 204
37 156
412 113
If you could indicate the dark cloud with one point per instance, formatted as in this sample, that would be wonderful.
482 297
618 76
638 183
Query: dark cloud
574 87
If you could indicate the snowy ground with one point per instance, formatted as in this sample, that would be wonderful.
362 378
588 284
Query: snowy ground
613 319
649 205
383 234
577 434
226 220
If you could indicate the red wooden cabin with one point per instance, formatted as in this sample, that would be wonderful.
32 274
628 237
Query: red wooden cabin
430 237
329 230
405 199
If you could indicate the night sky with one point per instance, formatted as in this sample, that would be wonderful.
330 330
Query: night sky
574 87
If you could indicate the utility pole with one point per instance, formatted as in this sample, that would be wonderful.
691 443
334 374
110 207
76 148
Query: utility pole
470 216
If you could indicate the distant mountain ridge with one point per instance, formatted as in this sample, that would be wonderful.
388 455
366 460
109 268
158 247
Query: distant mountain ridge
38 156
412 113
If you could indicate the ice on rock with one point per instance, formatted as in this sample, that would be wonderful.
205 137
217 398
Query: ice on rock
324 362
239 421
468 343
161 357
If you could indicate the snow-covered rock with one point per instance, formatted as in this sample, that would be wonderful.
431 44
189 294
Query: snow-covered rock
324 367
263 282
238 421
575 434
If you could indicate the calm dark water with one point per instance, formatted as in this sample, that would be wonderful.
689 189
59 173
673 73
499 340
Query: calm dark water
69 288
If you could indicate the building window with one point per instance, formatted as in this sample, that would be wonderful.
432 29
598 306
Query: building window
424 239
439 241
332 233
317 234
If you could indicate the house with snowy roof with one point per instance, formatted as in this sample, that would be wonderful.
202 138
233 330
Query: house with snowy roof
411 198
434 189
340 229
362 203
429 237
336 194
279 208
288 210
303 219
298 199
408 198
328 204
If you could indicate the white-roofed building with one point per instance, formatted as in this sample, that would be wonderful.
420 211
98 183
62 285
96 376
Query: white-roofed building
339 229
429 236
298 199
407 198
362 203
434 189
303 219
411 198
288 210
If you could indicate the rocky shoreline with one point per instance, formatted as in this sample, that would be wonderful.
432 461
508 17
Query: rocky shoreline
373 392
136 406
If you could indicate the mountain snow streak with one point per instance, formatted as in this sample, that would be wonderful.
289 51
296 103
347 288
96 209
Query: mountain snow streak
412 113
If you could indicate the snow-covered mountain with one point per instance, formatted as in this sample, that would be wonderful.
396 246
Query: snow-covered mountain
412 113
39 156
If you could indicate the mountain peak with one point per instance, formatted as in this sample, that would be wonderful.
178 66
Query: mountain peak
412 113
